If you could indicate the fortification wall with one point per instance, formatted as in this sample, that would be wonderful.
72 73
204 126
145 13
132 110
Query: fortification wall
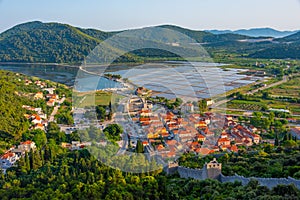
213 170
268 182
198 174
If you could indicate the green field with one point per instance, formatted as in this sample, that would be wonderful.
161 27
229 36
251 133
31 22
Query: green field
103 98
245 105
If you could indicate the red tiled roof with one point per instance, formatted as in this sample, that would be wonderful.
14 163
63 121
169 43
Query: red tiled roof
199 136
37 117
171 142
7 155
223 140
203 151
160 147
26 142
234 148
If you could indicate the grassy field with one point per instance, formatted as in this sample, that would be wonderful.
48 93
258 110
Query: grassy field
288 89
103 98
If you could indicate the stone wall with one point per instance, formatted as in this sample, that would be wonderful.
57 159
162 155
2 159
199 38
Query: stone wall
198 174
213 170
201 174
268 182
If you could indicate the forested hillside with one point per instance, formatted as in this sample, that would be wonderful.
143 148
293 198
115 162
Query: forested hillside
62 43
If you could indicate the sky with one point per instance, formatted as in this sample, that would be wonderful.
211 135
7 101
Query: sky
111 15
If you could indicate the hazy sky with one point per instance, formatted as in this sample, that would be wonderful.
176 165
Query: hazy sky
126 14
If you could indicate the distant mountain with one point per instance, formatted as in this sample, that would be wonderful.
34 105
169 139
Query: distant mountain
294 38
256 32
287 47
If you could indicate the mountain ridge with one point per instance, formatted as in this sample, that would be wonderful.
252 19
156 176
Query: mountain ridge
256 32
38 42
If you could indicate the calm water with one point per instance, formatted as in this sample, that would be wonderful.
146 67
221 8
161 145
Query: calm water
200 80
61 74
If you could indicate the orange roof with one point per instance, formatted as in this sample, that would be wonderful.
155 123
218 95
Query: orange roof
7 155
171 154
204 151
143 119
199 136
234 148
194 144
146 123
37 117
26 142
51 101
145 111
164 134
160 147
171 142
223 140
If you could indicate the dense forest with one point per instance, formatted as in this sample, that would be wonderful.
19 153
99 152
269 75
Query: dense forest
78 175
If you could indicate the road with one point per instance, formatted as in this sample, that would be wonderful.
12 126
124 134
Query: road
217 104
284 79
54 112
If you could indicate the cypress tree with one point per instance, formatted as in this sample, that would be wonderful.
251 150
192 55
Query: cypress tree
139 147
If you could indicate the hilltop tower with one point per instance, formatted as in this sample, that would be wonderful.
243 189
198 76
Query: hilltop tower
213 169
171 168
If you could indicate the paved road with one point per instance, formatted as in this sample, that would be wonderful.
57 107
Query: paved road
284 79
54 112
217 104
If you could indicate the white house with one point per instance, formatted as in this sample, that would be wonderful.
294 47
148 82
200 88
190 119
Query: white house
27 146
8 160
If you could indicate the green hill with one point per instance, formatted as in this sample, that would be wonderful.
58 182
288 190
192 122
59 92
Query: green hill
282 48
12 120
62 43
49 43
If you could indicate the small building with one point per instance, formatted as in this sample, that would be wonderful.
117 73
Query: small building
51 102
296 132
27 146
8 160
223 142
200 137
39 95
142 91
52 96
39 126
36 119
188 107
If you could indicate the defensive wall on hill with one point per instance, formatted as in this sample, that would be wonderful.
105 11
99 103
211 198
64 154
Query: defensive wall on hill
212 170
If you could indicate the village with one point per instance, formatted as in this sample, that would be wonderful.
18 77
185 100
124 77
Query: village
163 132
168 133
38 121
